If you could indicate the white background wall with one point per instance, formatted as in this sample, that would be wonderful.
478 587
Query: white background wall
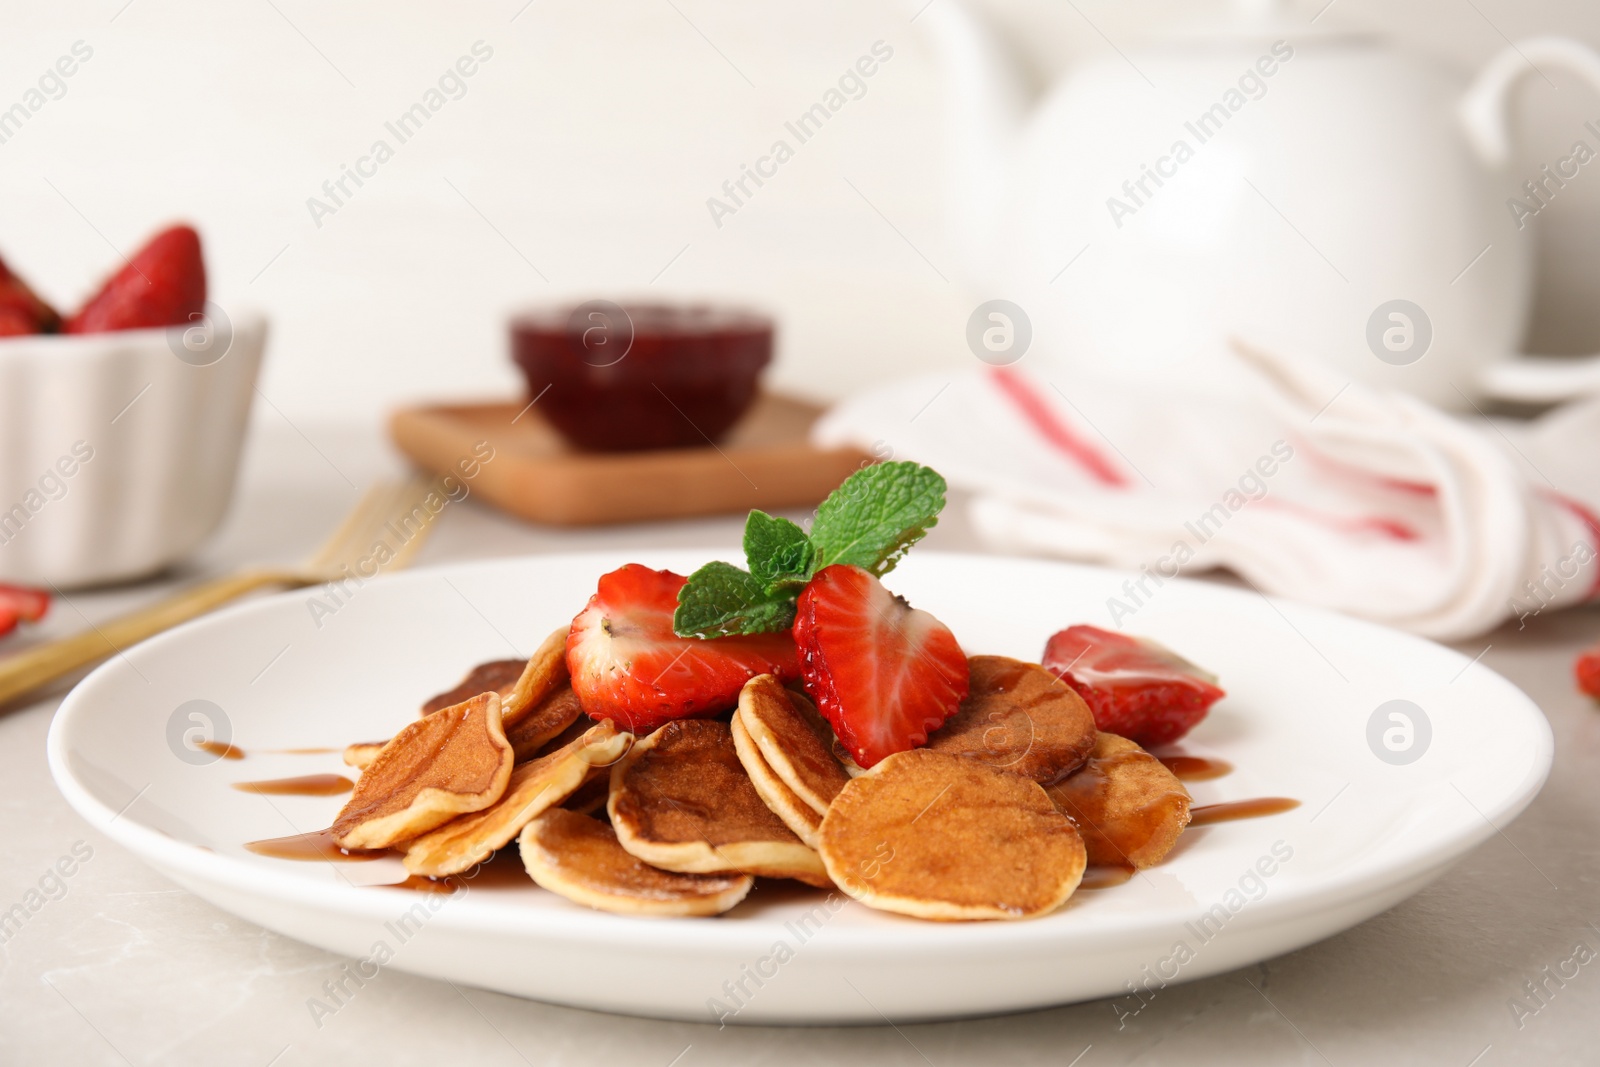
584 151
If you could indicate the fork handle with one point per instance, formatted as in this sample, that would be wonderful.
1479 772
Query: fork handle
26 671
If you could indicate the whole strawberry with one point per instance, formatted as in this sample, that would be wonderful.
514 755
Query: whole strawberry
1136 688
164 284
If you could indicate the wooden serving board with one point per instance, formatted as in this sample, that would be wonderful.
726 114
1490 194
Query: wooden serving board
764 462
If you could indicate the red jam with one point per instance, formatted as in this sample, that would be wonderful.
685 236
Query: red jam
613 378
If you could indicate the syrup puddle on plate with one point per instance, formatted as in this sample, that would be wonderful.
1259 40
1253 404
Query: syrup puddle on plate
1097 877
1195 768
503 870
220 748
302 785
420 884
317 845
1254 808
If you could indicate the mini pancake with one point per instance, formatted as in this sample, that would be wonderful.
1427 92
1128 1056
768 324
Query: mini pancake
1019 717
534 787
591 796
795 742
681 800
796 814
453 761
580 859
545 721
945 837
361 754
1129 808
545 673
574 730
495 676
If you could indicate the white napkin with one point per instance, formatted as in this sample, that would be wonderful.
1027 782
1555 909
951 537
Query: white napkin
1307 486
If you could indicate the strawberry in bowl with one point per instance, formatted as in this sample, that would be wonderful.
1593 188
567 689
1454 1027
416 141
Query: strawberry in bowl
148 389
164 284
21 310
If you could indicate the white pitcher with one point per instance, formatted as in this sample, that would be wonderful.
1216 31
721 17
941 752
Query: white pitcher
1315 191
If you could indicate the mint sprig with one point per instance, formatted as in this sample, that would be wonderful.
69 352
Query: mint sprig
876 515
869 521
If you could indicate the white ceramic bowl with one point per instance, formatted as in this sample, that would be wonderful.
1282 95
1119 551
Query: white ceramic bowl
118 450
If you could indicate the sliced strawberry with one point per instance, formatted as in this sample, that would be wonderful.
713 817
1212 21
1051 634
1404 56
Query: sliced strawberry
21 311
881 672
1136 688
1587 670
20 603
628 665
164 284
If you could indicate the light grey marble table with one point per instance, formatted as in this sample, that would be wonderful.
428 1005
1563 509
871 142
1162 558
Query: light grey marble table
125 967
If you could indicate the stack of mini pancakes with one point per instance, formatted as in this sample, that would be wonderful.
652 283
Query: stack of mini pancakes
997 817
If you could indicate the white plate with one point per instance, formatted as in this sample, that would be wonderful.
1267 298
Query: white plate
1302 684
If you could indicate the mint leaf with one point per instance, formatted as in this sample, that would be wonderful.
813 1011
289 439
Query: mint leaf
779 552
869 521
720 600
876 515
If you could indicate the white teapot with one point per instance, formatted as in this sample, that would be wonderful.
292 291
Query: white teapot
1261 179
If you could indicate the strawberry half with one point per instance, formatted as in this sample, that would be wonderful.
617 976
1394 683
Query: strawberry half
1587 670
881 672
164 284
21 311
1136 688
627 664
20 603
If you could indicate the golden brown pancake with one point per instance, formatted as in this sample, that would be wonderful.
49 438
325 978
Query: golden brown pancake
945 837
591 796
453 761
796 814
496 676
534 787
361 754
681 801
794 741
576 729
545 673
1129 808
545 722
579 858
1019 717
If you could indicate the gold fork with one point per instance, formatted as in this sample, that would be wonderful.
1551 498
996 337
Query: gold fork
394 515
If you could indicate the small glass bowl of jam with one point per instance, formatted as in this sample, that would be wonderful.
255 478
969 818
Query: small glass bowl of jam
614 378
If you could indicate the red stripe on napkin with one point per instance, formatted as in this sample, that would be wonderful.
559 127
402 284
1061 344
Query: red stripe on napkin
1394 528
1048 425
1592 521
1399 485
